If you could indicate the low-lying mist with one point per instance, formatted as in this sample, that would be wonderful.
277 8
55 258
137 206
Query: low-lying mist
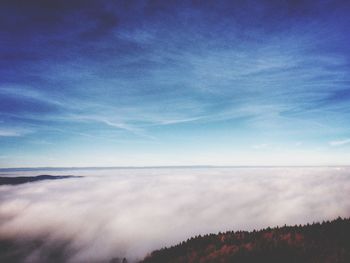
130 212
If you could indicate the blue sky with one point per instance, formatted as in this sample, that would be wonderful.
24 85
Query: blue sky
138 83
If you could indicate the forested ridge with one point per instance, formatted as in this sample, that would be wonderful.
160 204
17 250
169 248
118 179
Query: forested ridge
326 242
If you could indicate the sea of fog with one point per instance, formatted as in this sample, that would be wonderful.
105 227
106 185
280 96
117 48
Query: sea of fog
128 213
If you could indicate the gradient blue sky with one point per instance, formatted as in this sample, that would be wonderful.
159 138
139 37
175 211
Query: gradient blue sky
135 83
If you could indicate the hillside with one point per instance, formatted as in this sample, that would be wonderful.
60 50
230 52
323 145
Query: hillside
327 242
30 179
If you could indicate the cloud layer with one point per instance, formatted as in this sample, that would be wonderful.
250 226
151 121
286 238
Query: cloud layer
130 212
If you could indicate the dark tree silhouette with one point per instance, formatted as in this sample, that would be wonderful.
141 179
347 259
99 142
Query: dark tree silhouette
328 242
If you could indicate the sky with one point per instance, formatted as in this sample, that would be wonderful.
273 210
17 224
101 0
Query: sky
145 83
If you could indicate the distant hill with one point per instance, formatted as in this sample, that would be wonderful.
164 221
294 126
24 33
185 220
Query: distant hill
327 242
29 179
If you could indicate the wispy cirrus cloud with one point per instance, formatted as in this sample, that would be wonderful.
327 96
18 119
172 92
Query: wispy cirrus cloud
167 71
260 146
339 142
11 132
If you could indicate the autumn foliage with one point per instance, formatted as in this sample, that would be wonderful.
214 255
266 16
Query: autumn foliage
326 242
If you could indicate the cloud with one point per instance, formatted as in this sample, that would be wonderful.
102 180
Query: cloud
339 142
119 124
130 212
13 132
260 146
8 133
143 68
177 121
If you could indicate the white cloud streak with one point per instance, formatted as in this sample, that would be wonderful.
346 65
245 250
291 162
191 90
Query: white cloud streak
339 142
12 132
260 146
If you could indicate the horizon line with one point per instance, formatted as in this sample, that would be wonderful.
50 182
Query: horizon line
163 167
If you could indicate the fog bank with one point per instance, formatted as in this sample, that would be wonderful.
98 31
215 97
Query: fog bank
130 212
